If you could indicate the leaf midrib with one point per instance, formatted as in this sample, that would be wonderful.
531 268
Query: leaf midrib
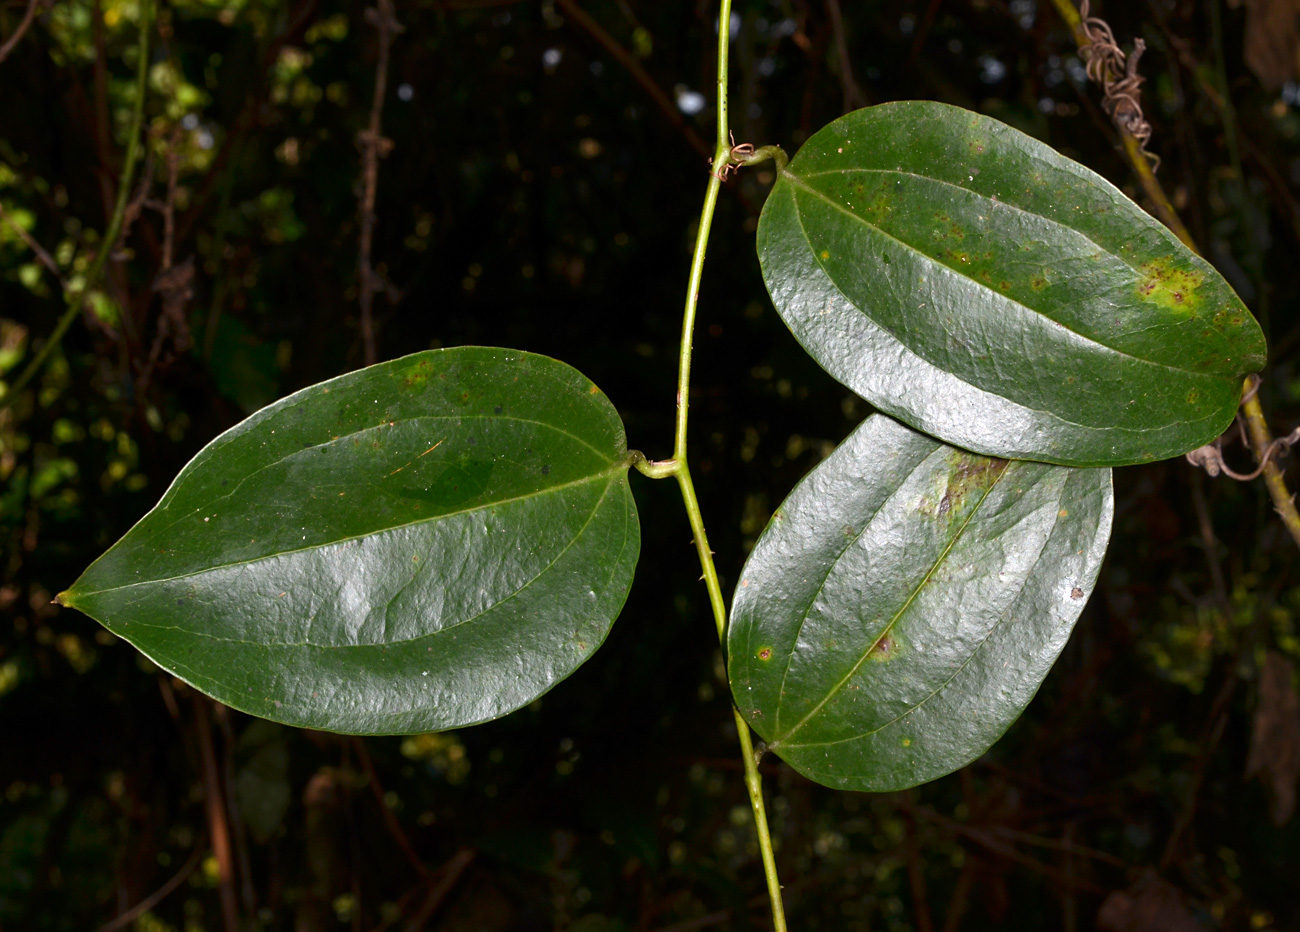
834 690
385 644
1026 405
616 468
798 181
850 542
944 685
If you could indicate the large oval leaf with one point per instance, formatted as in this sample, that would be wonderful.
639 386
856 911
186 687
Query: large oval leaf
905 603
972 282
423 544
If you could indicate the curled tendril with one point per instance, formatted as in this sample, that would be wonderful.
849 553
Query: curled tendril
745 154
1118 76
1210 457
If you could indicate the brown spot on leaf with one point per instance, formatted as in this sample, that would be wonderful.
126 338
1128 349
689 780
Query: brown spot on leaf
885 649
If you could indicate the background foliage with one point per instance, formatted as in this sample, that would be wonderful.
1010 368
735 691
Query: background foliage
538 196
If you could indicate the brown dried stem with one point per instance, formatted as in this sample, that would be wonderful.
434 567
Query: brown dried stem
450 875
218 824
28 18
390 821
374 147
915 869
853 96
633 67
153 899
41 254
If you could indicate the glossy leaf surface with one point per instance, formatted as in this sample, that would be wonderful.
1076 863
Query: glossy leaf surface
982 288
906 601
419 545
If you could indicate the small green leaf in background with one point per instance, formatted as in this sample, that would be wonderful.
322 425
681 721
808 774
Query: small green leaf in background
422 544
261 785
977 285
905 603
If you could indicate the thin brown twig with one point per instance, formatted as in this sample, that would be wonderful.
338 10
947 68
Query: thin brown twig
853 96
633 67
135 207
44 257
451 873
922 31
245 120
239 835
175 280
1217 722
987 840
390 821
374 146
169 205
153 899
218 827
1065 845
960 899
915 869
28 18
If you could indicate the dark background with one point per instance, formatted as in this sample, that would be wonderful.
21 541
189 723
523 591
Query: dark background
537 197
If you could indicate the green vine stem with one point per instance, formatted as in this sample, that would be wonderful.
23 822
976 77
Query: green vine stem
677 466
1261 439
76 296
1253 412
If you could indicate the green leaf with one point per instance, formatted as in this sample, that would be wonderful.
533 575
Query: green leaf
905 603
423 544
982 288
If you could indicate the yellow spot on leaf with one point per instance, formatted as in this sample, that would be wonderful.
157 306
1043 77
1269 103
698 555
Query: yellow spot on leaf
1170 286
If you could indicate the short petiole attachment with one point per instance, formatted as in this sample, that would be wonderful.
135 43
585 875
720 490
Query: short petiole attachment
655 469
